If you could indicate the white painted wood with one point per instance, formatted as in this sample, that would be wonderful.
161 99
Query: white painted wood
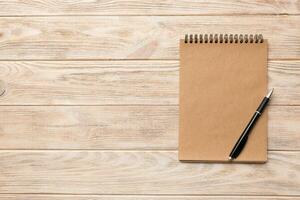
117 82
147 7
118 127
150 172
134 37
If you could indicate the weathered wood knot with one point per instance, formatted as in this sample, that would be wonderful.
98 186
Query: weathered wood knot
2 88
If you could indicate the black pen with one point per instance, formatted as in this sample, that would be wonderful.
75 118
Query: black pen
239 145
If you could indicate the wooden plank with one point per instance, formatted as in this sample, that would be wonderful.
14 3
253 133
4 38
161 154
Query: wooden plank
146 7
284 76
150 172
86 83
283 126
118 127
134 37
109 127
135 197
117 82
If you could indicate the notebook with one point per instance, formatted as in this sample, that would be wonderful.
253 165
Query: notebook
223 79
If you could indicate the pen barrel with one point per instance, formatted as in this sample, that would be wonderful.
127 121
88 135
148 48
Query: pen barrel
250 124
239 145
262 105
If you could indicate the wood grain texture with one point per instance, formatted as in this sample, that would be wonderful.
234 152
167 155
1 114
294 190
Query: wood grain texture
76 127
118 127
134 37
109 129
131 172
136 197
86 83
147 7
117 82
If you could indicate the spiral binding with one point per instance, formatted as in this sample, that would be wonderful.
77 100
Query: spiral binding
226 38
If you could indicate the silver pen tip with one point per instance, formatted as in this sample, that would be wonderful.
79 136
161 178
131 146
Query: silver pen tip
270 93
229 158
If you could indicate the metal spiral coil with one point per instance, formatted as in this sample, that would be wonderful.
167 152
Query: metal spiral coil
223 38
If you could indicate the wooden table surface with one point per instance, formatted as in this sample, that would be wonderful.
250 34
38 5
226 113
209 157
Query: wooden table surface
89 100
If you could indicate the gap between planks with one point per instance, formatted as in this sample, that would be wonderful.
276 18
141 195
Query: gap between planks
117 150
145 195
116 105
121 59
153 15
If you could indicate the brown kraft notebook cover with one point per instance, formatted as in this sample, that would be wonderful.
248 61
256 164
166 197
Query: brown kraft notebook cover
222 82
